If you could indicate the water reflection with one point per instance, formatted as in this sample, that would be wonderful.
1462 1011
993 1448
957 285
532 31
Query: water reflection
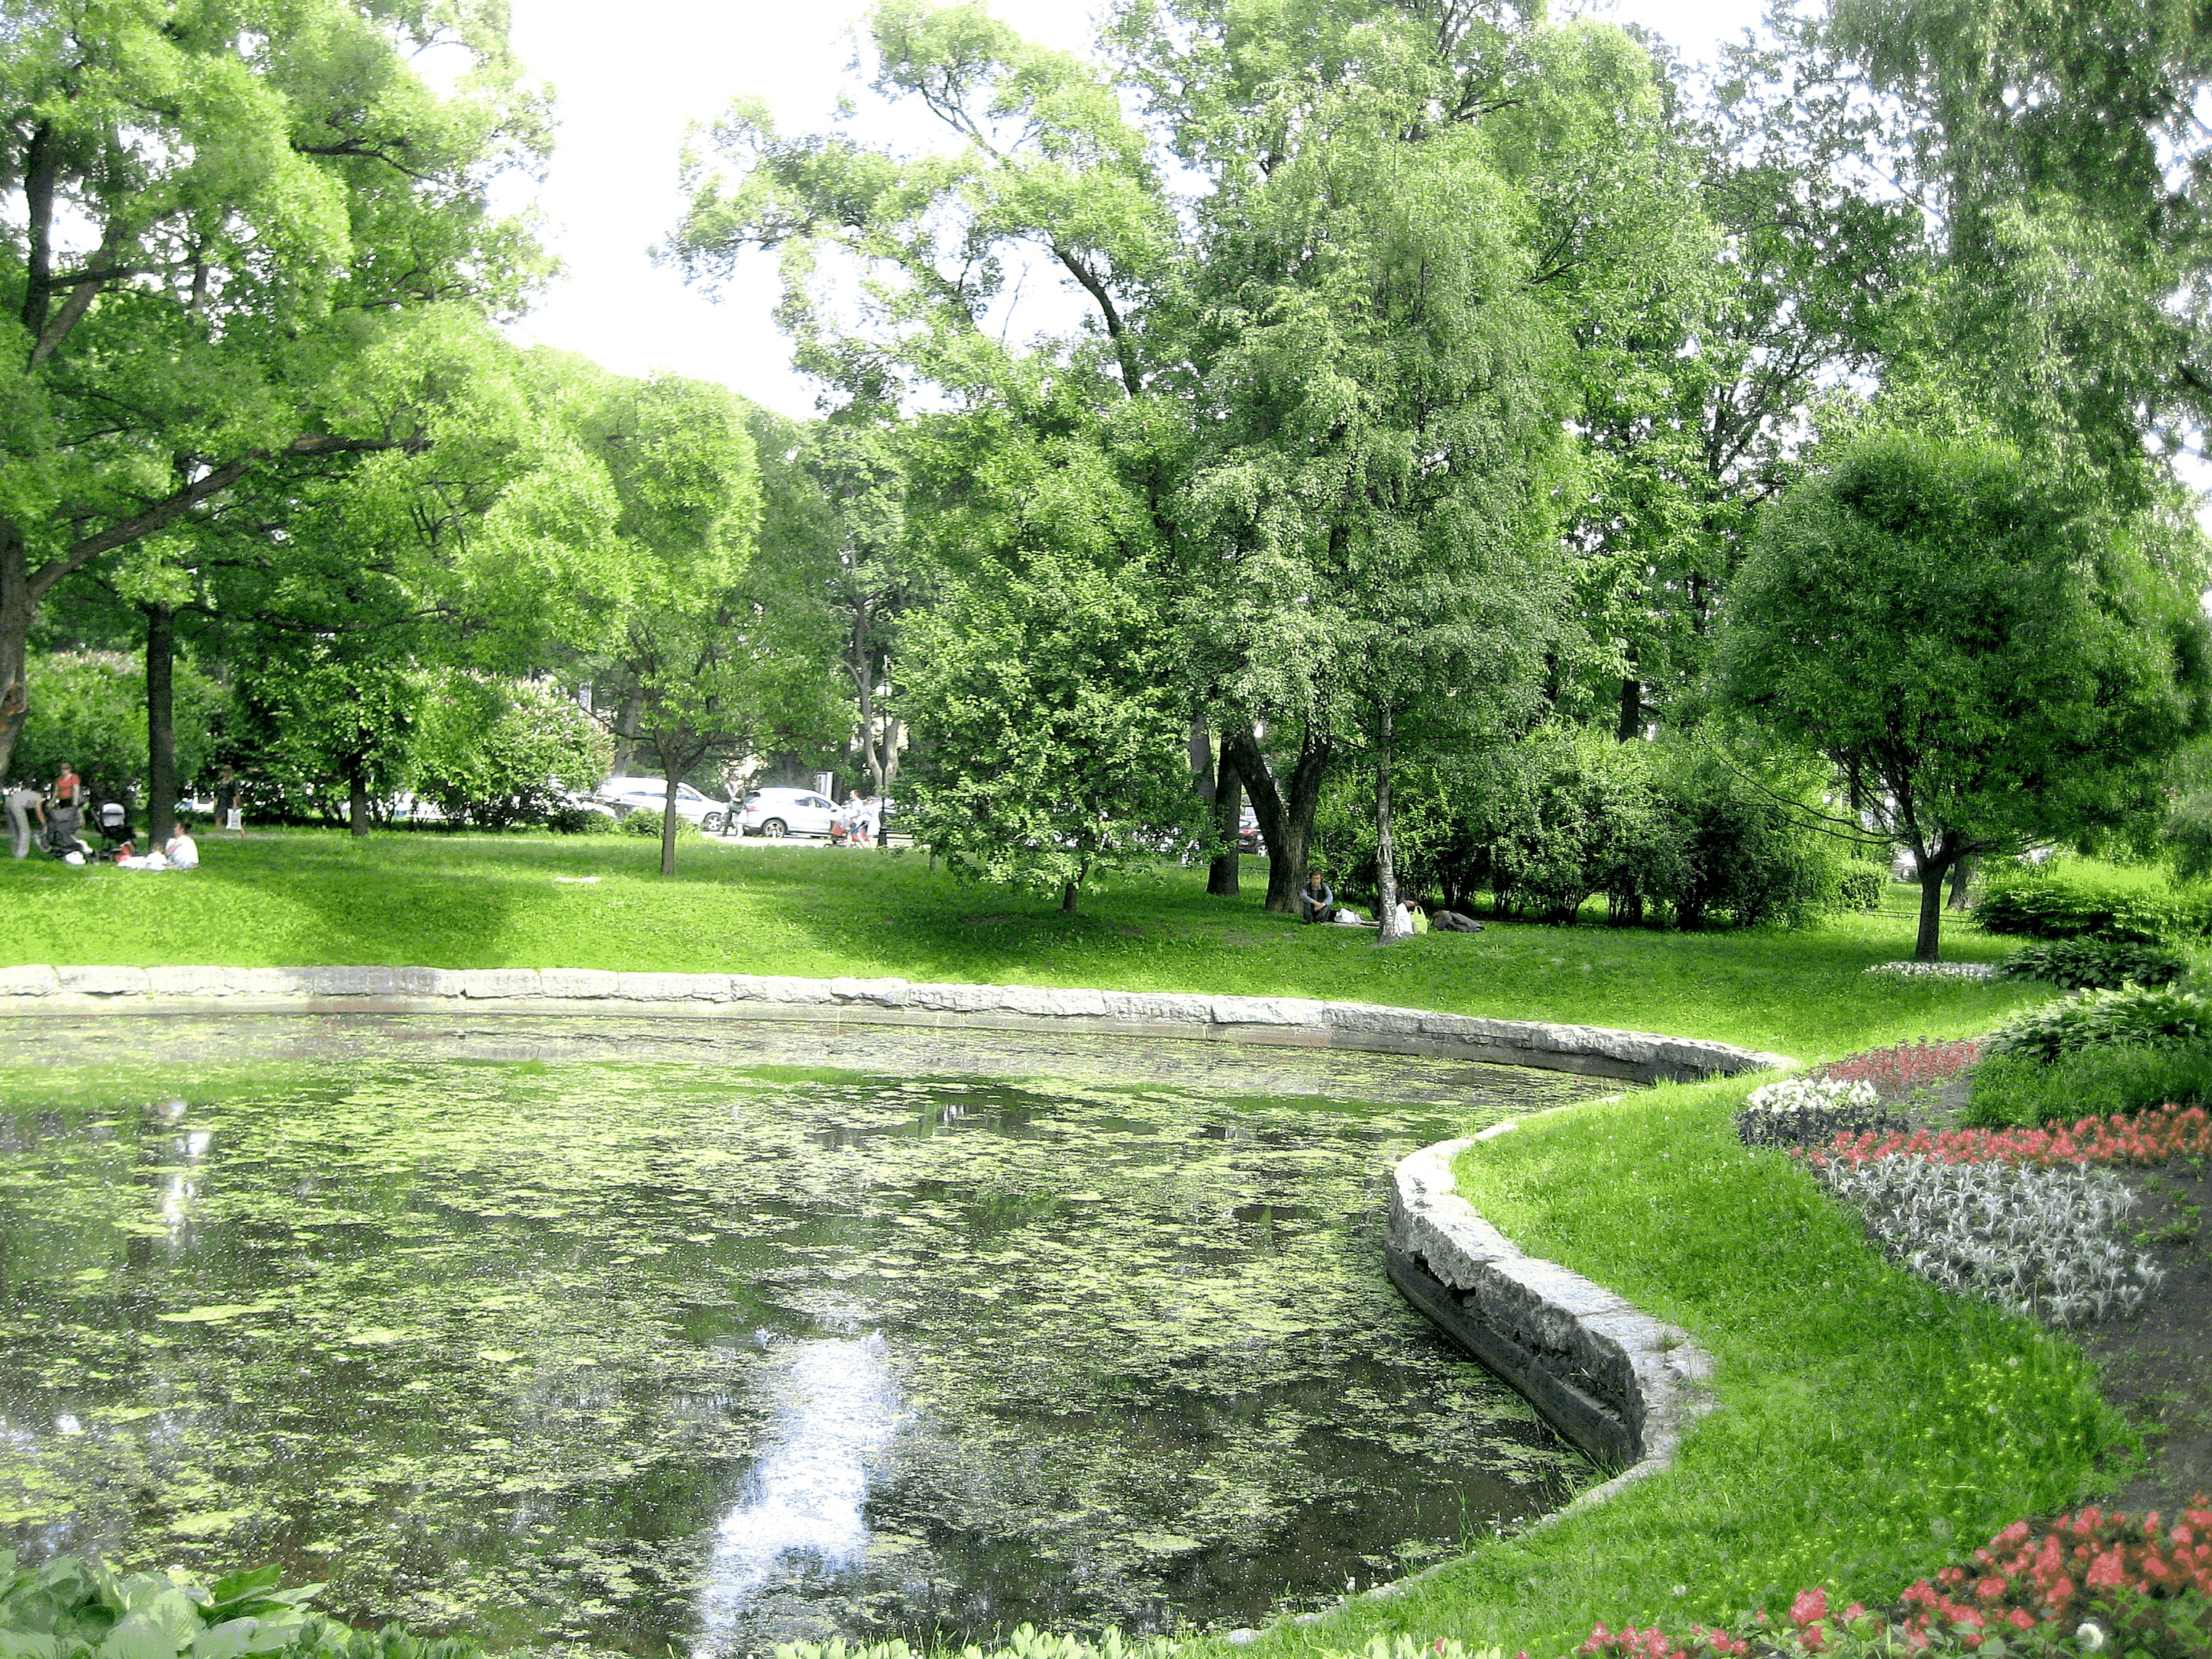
836 1407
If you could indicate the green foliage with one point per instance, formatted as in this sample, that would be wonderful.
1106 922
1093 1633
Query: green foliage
2092 963
68 1608
1547 822
1860 887
501 752
1994 660
319 715
246 257
2069 898
2023 1091
1052 741
643 821
2147 1015
89 708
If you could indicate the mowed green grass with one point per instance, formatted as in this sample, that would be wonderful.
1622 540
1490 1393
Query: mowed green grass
1870 1428
299 897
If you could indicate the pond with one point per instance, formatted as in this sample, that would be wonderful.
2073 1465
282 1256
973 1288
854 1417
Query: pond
627 1336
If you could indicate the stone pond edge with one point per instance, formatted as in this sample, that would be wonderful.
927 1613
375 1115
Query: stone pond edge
1639 1056
1623 1386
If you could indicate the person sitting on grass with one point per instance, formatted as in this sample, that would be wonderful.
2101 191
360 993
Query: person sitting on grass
1316 901
181 850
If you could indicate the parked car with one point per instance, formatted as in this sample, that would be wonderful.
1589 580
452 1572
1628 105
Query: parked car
1249 838
627 795
776 813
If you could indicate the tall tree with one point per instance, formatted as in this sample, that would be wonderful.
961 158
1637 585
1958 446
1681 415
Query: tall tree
219 220
1996 659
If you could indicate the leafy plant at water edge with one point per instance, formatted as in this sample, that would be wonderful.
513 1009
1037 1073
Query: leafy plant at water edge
69 1608
2037 1241
1904 1067
1807 1111
2100 965
2133 1014
2107 1081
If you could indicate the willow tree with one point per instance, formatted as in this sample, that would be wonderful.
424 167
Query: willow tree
217 221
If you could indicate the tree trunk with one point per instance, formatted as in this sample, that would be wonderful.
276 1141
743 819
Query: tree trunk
1961 873
1934 863
626 732
668 822
1286 818
161 725
1630 724
1201 762
1067 898
1386 866
1228 791
14 641
357 802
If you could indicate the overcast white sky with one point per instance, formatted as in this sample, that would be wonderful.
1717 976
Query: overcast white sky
628 80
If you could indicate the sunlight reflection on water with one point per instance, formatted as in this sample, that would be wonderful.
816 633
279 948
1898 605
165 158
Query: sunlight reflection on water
837 1409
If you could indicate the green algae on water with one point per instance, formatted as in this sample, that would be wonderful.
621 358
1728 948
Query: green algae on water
623 1355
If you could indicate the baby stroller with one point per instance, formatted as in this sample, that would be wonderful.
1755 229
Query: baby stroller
64 832
114 827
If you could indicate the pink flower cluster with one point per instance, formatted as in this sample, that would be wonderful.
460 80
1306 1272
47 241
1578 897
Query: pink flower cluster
2029 1578
2155 1137
1907 1067
2076 1566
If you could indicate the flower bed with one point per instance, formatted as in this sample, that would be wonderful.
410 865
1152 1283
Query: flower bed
1806 1111
1900 1069
1935 970
2140 1138
2087 1583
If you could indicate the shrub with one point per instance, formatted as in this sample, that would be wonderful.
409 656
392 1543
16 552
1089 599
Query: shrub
68 1608
2093 964
1806 1111
1860 887
581 821
2072 898
2146 1015
2099 1082
498 752
646 821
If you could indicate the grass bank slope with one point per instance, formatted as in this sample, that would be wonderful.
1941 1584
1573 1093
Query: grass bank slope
300 897
1871 1428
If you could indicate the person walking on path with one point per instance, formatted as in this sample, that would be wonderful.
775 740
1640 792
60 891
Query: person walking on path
1317 900
68 787
23 802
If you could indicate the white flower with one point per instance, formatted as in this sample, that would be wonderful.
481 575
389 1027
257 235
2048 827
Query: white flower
1936 969
1797 1094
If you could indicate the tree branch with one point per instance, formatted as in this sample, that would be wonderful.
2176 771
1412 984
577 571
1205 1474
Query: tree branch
166 511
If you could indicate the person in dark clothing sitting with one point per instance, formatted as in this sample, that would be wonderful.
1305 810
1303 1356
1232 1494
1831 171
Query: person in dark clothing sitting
1316 902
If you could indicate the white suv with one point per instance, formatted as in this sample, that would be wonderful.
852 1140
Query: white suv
627 795
776 813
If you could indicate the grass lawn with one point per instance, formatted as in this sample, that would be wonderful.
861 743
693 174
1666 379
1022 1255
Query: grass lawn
1873 1428
299 897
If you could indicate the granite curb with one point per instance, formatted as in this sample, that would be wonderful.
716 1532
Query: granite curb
1623 1386
1639 1056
